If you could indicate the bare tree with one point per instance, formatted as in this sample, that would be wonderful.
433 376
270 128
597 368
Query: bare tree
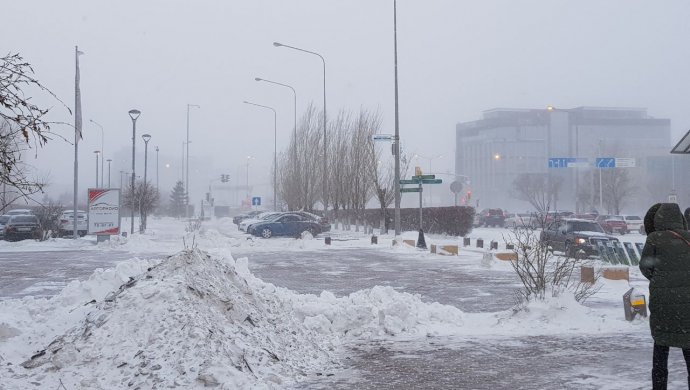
617 189
537 190
144 199
540 271
22 127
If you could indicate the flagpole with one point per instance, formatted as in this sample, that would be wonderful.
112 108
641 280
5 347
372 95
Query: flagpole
77 135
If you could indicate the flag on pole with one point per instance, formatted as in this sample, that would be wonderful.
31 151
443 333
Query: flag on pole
77 98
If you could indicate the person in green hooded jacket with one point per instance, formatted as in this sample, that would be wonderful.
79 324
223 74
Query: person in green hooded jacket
665 261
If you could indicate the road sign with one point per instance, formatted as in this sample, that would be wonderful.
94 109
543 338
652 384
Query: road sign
432 181
628 162
405 181
413 189
382 137
423 177
606 162
568 162
256 201
456 187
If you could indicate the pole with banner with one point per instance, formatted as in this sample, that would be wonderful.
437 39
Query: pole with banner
77 136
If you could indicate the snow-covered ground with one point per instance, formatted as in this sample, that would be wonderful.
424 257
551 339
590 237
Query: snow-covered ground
193 318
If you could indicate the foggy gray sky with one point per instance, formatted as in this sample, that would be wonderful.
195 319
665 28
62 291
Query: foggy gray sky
456 59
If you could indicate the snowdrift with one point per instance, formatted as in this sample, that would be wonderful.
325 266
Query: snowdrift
193 321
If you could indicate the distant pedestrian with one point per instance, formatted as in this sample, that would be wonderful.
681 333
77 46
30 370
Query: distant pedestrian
666 263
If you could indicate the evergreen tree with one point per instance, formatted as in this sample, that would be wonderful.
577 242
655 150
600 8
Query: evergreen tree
178 200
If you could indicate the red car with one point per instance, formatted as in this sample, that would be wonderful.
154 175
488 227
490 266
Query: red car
613 224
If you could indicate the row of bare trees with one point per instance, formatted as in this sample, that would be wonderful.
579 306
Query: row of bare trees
617 188
358 170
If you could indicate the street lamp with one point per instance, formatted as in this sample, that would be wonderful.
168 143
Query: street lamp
102 150
134 114
275 151
186 182
109 161
325 173
294 135
97 152
142 218
396 139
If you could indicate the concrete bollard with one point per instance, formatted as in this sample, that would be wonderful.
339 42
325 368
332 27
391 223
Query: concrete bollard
409 242
327 240
616 273
510 247
374 240
493 245
433 248
480 243
465 241
587 274
449 250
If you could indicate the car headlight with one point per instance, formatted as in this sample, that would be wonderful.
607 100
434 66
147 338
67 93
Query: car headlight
580 241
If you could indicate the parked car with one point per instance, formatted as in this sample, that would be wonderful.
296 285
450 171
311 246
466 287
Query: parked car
20 227
19 212
491 217
267 216
324 223
239 218
285 225
518 220
634 223
571 236
587 216
67 223
3 222
613 224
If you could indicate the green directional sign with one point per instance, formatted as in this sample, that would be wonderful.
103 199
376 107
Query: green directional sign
414 189
424 177
409 181
432 181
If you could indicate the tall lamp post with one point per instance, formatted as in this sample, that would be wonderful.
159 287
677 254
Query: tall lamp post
396 138
294 134
102 150
96 152
109 161
142 217
325 160
248 158
134 114
186 181
275 151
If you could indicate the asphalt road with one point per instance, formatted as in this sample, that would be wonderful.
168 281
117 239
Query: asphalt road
606 361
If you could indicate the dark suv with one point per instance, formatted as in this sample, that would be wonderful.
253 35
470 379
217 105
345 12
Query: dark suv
491 217
571 236
21 227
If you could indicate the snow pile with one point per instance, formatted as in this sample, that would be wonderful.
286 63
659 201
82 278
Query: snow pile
189 322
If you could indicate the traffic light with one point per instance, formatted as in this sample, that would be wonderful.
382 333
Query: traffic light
469 195
224 178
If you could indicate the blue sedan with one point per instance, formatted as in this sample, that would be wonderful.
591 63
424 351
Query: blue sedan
285 225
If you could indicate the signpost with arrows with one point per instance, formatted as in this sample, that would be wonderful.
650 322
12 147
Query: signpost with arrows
419 180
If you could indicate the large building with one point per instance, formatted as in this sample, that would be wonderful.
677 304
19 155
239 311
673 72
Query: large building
562 145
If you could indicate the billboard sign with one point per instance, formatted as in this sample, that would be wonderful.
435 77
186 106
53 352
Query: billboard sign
104 211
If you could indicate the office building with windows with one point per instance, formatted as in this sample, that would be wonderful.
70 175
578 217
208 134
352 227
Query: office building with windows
506 144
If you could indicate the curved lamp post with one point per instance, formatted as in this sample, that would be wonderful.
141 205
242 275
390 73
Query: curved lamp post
275 151
294 134
134 114
325 160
